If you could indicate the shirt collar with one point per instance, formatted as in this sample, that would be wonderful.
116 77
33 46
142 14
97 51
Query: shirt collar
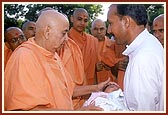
136 43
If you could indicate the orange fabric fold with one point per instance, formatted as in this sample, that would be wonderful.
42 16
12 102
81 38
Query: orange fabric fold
72 58
7 54
106 54
88 45
118 51
34 76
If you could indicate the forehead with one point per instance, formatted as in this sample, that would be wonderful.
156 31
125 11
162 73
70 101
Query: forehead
98 24
13 33
82 14
32 24
159 23
112 12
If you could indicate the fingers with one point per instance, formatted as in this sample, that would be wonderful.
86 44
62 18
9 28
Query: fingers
114 83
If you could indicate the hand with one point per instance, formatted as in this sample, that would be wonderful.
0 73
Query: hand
91 107
99 66
101 85
112 86
106 67
122 65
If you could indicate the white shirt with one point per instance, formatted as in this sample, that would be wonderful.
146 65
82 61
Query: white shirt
144 76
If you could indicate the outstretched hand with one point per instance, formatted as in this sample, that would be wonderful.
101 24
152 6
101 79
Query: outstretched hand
101 85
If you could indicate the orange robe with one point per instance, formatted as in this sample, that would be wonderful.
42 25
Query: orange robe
88 45
118 51
72 59
34 76
106 54
7 54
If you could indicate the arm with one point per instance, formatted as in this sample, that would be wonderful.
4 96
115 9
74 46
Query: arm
87 89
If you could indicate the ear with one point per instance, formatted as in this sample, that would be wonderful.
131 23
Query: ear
126 21
47 32
71 18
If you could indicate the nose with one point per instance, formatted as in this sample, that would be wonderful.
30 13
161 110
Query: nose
98 30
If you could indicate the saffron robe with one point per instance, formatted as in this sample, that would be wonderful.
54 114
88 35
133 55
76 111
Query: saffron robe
106 54
88 45
7 54
118 51
34 76
72 59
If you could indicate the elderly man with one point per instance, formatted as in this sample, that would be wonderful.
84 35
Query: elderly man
144 76
158 28
40 80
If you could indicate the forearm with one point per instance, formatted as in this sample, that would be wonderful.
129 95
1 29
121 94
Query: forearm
83 90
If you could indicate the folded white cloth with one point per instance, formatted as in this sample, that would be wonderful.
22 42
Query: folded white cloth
113 101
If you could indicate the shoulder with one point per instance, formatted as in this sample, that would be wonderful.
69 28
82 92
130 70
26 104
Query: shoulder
91 38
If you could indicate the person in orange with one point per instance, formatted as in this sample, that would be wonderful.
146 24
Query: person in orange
41 81
29 28
107 53
86 42
72 59
13 38
158 28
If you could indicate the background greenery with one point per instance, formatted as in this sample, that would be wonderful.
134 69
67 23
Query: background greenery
16 14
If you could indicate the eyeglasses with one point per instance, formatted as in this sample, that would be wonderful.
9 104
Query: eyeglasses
17 39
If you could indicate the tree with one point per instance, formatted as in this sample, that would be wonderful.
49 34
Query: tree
30 11
14 12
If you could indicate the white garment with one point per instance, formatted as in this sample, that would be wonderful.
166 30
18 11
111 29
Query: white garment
108 101
144 76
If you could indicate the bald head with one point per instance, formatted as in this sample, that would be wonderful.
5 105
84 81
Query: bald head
80 19
159 18
51 30
158 28
98 22
28 29
80 10
14 37
50 18
98 29
45 9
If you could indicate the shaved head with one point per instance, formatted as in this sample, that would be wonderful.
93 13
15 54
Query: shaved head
98 29
14 37
80 10
159 18
51 30
158 28
80 19
98 21
50 17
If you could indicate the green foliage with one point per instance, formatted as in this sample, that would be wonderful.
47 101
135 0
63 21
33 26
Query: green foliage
30 11
154 10
13 13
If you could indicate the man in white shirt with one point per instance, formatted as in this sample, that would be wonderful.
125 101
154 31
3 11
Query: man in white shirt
144 77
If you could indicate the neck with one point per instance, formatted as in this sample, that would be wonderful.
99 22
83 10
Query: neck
135 32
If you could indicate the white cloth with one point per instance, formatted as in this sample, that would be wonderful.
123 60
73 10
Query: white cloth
144 76
108 101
